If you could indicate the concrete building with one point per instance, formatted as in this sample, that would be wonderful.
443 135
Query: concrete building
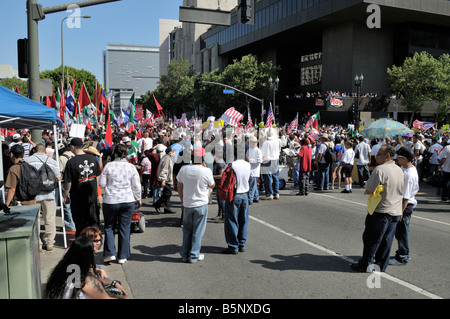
321 44
129 68
7 71
166 27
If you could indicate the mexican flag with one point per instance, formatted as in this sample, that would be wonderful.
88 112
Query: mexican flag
132 110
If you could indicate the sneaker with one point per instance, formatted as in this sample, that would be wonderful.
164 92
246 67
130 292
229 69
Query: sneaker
242 249
122 261
256 201
109 259
276 196
229 251
346 191
268 197
300 194
201 257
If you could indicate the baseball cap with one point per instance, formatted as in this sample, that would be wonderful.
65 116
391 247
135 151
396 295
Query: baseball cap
76 141
403 151
126 139
16 136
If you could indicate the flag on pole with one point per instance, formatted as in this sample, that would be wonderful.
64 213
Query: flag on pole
313 120
423 125
232 117
108 135
17 89
293 124
159 112
70 100
314 134
249 121
270 118
132 108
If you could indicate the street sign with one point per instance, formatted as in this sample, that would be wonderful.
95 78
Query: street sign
228 91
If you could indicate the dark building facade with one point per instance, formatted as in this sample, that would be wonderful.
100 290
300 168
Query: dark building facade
321 45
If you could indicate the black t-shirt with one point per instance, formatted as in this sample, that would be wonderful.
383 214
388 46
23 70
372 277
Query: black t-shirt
82 171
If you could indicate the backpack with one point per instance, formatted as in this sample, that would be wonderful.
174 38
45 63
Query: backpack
30 182
329 155
226 189
48 177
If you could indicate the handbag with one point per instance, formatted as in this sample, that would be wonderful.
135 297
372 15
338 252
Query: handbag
114 292
374 199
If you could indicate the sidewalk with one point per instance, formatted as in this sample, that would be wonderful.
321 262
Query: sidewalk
49 259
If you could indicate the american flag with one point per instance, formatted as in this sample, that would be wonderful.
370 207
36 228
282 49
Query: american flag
232 117
293 124
270 117
314 134
249 123
423 125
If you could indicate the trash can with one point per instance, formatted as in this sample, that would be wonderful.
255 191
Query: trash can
20 267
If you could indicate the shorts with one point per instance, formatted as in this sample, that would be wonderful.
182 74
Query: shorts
346 170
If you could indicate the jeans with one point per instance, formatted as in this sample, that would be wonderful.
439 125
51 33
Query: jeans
378 236
68 220
145 183
296 174
253 193
324 175
403 252
122 213
361 169
270 173
236 222
156 193
304 182
194 225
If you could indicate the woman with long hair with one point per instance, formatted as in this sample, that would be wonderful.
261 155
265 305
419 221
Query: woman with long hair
121 186
74 276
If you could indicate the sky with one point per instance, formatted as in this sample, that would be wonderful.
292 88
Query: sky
123 22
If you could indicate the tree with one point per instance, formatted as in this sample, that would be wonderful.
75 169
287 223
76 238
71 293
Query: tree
442 87
80 76
418 80
11 83
175 90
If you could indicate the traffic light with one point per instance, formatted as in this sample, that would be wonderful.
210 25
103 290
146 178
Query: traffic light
247 8
22 57
198 83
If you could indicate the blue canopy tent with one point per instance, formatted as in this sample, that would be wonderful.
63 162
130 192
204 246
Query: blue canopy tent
19 112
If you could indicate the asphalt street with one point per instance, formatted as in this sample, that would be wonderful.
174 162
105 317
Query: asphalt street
298 248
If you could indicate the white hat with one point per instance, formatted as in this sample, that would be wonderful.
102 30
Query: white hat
16 136
270 133
126 139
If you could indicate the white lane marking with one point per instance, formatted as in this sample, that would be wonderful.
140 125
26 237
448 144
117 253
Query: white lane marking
365 205
348 259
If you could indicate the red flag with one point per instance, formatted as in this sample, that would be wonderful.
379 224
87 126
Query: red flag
62 105
17 89
53 101
48 102
159 112
83 98
108 135
73 85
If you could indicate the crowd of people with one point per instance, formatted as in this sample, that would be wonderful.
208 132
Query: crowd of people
155 161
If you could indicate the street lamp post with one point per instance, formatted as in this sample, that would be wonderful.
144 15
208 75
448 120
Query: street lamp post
358 84
274 87
62 45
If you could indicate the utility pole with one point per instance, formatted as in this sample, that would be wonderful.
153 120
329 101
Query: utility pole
36 13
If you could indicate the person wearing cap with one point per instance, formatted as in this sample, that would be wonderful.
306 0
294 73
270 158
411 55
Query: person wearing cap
323 166
444 166
348 158
193 185
26 143
165 177
411 187
132 156
419 149
81 180
380 226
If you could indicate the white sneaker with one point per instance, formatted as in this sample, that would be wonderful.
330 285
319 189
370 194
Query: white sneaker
122 261
201 257
109 259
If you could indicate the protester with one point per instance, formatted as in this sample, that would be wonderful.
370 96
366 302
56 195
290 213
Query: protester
122 191
193 183
46 199
305 162
81 175
236 212
362 155
323 166
411 187
61 283
255 160
380 226
347 165
165 177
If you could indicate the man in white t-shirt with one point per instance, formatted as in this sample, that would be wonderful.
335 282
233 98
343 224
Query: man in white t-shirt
411 187
444 163
435 149
236 212
193 183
